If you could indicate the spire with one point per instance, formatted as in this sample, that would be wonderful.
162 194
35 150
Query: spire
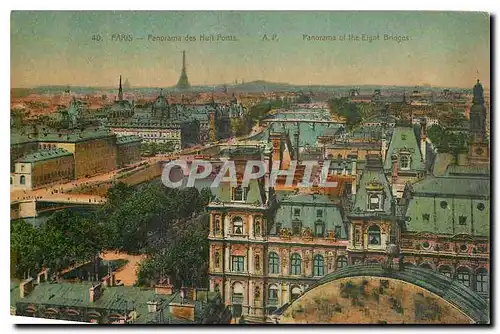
120 90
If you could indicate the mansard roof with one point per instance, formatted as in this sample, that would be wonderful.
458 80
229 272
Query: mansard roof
404 139
452 186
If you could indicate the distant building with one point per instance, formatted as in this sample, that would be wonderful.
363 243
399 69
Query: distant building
183 82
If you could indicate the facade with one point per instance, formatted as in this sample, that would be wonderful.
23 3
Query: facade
149 131
43 167
447 228
129 150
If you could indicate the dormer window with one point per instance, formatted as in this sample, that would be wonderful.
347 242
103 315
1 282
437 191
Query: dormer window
375 202
404 162
239 194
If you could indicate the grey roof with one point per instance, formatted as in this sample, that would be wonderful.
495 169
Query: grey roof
453 186
46 154
468 171
403 138
361 200
127 139
462 297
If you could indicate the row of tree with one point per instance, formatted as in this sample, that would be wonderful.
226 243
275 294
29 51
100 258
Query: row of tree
343 107
150 219
448 141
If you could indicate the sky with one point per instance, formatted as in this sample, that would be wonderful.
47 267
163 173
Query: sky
444 49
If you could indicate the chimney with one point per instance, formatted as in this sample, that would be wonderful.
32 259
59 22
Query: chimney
26 287
394 168
95 292
42 276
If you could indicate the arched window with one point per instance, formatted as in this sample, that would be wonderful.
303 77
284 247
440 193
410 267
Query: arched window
482 280
237 298
318 265
426 266
22 179
404 162
257 262
319 229
341 262
217 260
273 295
445 270
295 293
237 225
274 266
374 235
238 194
463 276
295 264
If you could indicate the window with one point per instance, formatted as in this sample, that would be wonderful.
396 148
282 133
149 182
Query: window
296 212
463 276
425 245
257 228
405 162
11 180
22 168
274 263
237 299
296 227
482 280
341 262
217 260
22 179
295 293
480 206
217 226
238 194
273 295
462 220
426 266
445 270
319 229
374 235
374 203
338 232
444 204
238 263
237 225
257 262
295 264
318 266
319 213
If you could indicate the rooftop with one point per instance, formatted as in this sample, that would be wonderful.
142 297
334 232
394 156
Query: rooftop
46 154
453 186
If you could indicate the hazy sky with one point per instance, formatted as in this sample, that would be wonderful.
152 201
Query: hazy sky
56 48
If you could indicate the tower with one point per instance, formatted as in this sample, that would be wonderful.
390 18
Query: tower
120 90
183 82
479 148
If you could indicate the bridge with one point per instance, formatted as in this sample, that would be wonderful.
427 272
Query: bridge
32 207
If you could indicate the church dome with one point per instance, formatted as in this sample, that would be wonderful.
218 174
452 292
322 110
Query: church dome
160 102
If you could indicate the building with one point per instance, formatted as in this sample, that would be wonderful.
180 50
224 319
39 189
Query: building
62 155
403 160
120 108
447 226
105 302
43 167
129 150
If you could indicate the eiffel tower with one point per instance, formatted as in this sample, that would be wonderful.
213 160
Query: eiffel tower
183 82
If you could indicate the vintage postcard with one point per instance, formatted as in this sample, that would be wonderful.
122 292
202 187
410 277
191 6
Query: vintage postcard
232 167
